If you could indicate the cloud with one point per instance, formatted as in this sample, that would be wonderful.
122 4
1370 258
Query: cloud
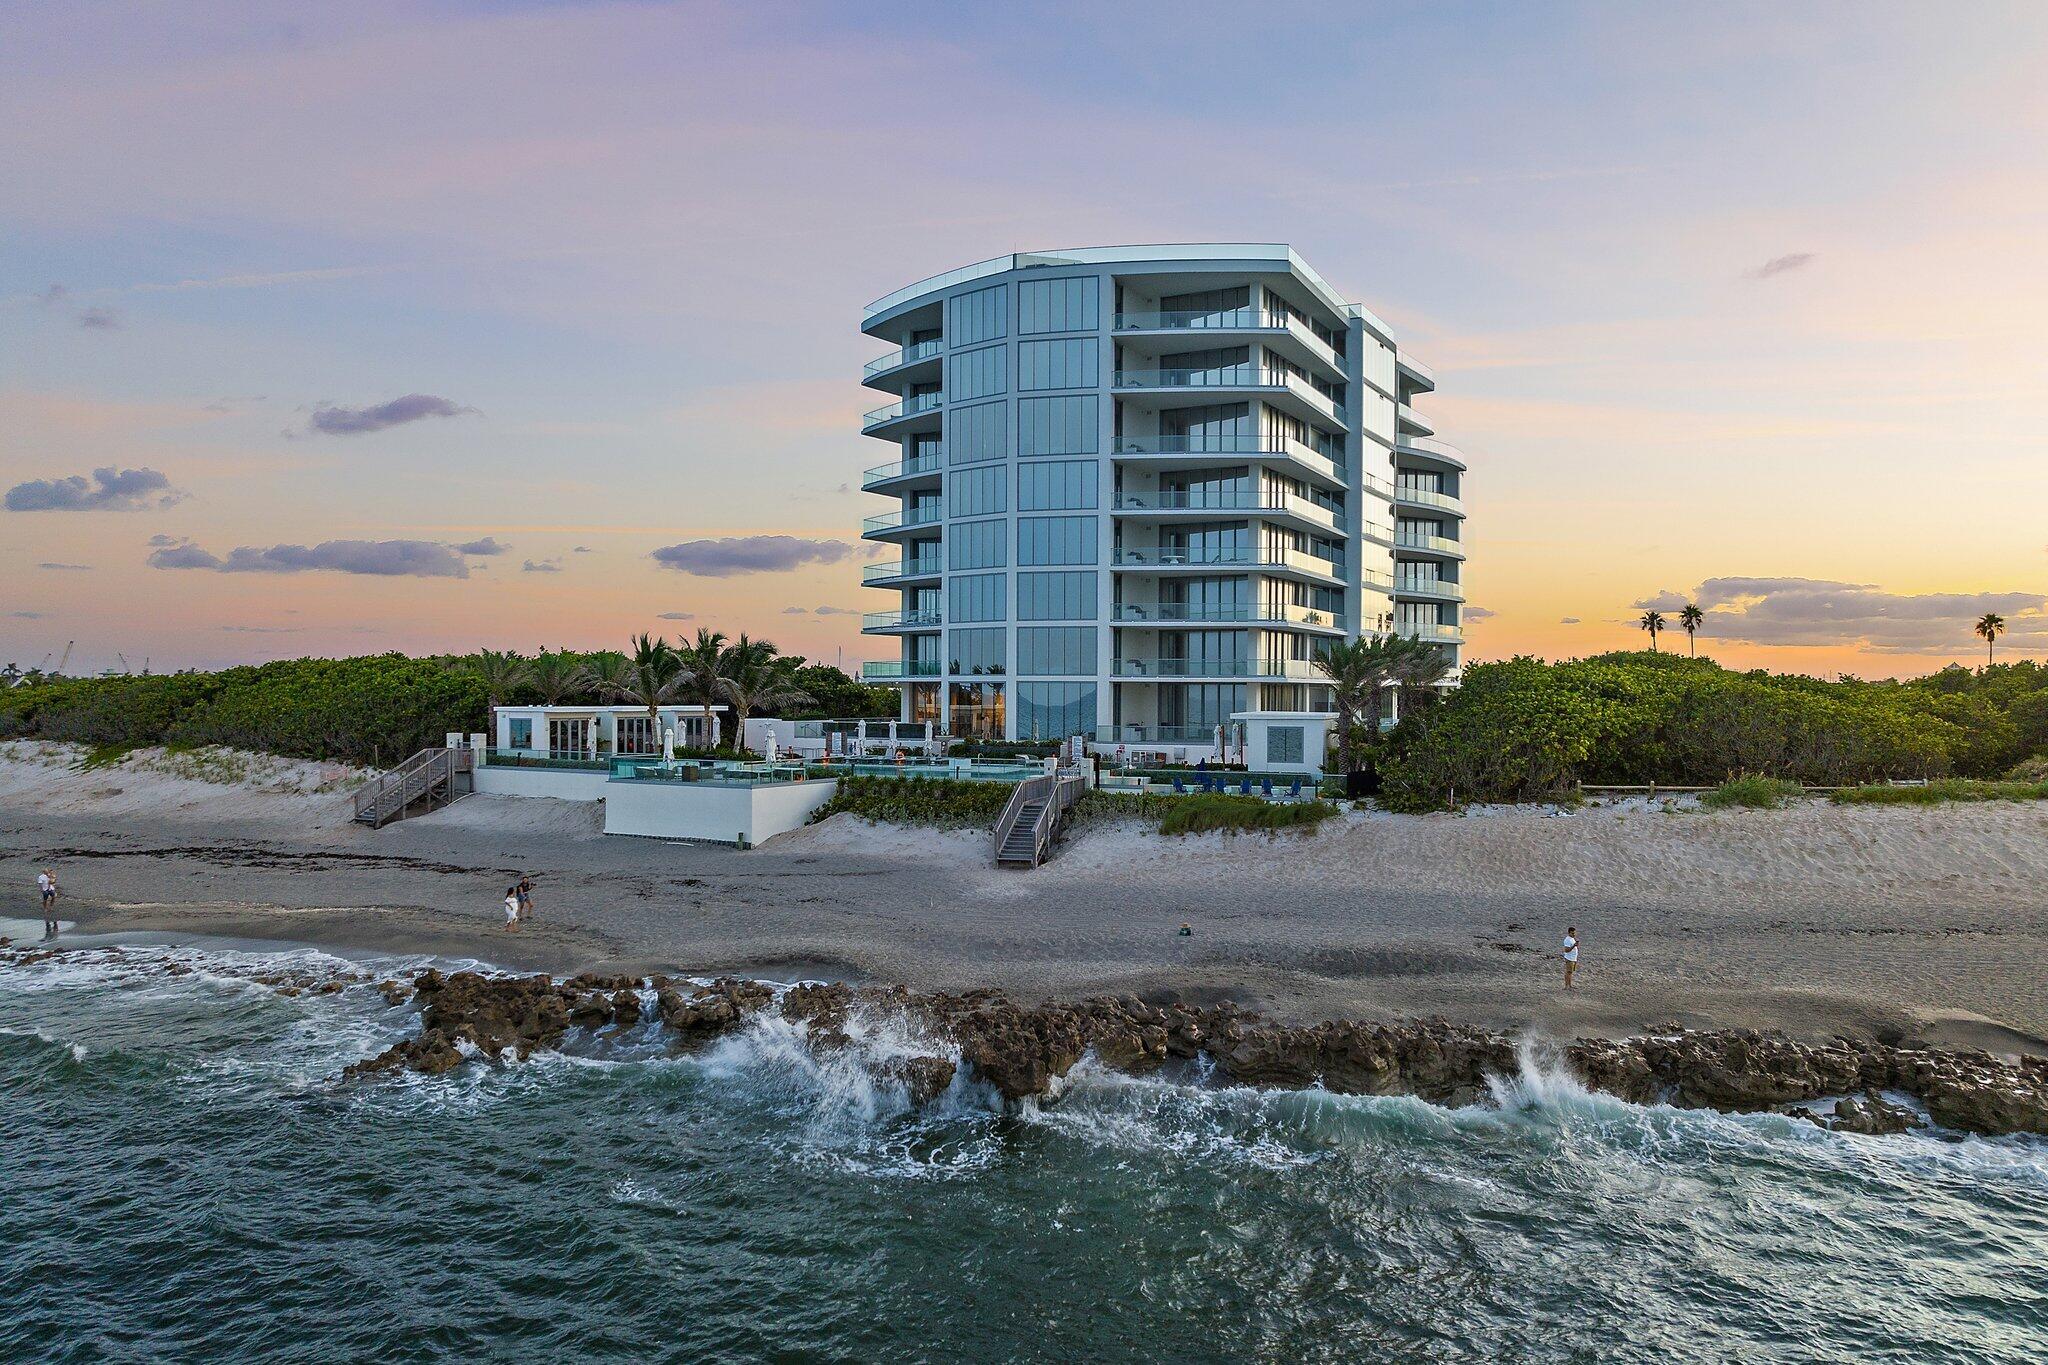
263 630
27 615
1813 611
375 558
413 407
52 564
100 320
583 550
109 490
489 545
162 539
735 555
1782 265
677 616
540 566
1569 621
1479 614
1664 601
53 296
795 611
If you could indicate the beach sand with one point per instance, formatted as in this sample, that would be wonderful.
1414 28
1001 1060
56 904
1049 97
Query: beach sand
1894 923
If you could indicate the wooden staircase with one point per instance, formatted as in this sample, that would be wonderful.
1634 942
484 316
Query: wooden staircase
430 779
1034 816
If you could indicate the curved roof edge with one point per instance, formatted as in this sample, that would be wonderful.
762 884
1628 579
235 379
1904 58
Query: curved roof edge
1278 252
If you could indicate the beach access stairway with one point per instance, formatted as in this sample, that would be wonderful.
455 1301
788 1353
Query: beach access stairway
1036 812
427 781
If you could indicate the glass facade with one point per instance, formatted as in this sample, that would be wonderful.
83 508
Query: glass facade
1055 710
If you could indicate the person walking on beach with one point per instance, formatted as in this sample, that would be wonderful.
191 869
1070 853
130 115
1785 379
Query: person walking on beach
46 884
511 908
1571 954
525 890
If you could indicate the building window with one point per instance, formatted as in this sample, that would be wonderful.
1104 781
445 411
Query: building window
1056 650
977 492
1056 486
1068 364
976 374
977 710
924 702
976 597
977 651
521 728
980 316
1055 710
977 544
1058 426
637 736
981 432
1283 743
1056 540
1056 596
1057 306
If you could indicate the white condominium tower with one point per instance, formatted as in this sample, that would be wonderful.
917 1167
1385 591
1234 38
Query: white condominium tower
1135 491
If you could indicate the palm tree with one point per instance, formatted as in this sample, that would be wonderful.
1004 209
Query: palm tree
1357 671
501 673
1989 627
1417 666
607 673
701 664
753 677
557 675
1690 619
1653 621
653 675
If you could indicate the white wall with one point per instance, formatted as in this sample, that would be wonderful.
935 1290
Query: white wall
756 811
564 784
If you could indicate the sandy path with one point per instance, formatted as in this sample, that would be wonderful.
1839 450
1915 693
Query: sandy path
1910 922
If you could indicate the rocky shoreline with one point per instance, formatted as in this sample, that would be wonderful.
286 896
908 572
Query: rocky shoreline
1024 1052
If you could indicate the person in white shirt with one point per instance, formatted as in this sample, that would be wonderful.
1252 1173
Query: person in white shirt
511 907
1571 954
46 884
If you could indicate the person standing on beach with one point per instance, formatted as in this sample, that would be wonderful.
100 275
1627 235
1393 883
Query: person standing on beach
511 908
46 884
1571 954
525 890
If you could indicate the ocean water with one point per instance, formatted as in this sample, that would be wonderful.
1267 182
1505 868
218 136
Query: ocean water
185 1176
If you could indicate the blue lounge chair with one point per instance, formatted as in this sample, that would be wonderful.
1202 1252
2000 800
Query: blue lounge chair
1294 792
1244 788
1180 788
1266 787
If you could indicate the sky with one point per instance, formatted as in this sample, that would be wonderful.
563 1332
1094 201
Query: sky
329 329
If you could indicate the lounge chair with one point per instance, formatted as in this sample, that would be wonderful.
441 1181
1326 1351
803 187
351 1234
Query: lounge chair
1294 792
1180 788
1244 788
1266 787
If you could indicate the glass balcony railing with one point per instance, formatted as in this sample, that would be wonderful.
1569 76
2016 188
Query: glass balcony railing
1449 635
919 464
1201 319
908 516
1377 582
1156 557
1155 734
1412 540
909 355
899 568
1208 377
1214 668
1181 613
1431 446
910 619
1182 500
1428 497
909 407
1327 462
900 668
1442 589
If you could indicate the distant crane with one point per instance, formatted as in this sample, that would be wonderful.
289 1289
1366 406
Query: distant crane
65 660
126 671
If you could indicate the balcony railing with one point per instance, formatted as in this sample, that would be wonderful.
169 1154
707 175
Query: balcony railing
1377 582
910 619
1428 497
909 355
1429 445
1179 613
1324 462
1411 540
909 407
1215 668
901 668
1154 557
1268 500
1201 319
907 516
899 568
917 464
1155 734
1441 634
1442 589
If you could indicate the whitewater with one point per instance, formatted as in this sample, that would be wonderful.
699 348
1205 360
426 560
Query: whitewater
188 1177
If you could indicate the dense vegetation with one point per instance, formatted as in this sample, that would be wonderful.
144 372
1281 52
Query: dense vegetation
1940 792
1752 793
372 709
920 801
1523 729
1200 814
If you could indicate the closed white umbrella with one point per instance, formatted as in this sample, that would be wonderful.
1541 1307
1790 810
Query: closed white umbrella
668 745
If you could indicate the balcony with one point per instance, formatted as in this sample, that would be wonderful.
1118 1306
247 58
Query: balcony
1153 559
896 360
888 670
1436 589
1307 511
889 571
1376 533
1373 582
903 519
1440 545
1299 669
1174 452
1415 374
1155 734
1430 451
1412 423
1409 496
912 468
1446 635
913 406
1379 488
1172 614
1272 381
898 622
1300 344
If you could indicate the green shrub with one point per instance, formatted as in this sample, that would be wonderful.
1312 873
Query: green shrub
942 802
1751 793
1200 814
1937 793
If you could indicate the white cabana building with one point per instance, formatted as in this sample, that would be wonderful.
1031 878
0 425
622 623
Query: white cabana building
596 733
